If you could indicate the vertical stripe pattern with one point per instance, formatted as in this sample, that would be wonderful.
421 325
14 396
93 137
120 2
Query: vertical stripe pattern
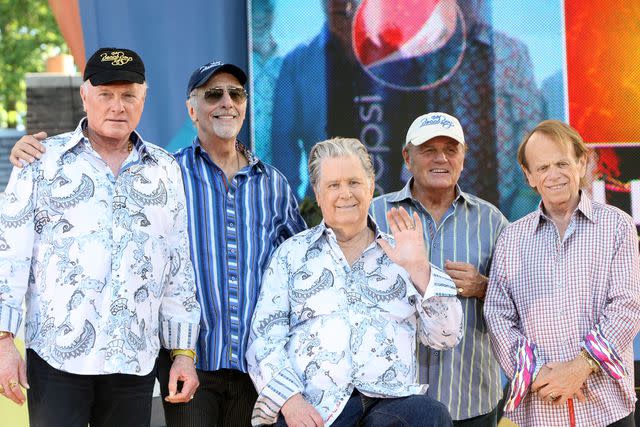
466 378
233 229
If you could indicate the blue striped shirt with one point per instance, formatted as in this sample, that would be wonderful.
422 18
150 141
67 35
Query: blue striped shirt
234 226
466 378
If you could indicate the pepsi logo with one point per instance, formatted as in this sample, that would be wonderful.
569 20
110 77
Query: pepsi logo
409 44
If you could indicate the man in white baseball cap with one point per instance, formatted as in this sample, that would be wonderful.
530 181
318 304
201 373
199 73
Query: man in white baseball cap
460 230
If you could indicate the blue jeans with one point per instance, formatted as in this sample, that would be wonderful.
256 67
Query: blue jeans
418 410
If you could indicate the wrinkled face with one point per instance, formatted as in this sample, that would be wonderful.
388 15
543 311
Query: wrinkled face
554 171
344 193
436 164
113 109
217 118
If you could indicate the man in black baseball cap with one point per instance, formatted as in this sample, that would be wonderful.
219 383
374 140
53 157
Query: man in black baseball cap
124 199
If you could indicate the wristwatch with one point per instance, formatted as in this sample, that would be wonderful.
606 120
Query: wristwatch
592 363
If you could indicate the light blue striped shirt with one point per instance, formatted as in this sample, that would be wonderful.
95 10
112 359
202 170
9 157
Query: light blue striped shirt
234 226
466 378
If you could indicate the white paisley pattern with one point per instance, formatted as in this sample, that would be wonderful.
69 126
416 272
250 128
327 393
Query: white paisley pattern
103 261
322 327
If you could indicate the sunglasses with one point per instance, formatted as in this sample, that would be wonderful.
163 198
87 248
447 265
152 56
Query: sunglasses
215 94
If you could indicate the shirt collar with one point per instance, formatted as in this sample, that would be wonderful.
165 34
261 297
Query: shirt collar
405 195
585 207
321 230
254 162
77 137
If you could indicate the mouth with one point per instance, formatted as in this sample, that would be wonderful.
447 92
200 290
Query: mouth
347 206
438 171
556 187
225 114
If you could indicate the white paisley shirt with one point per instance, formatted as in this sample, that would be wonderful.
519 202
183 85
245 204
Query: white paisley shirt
323 328
103 261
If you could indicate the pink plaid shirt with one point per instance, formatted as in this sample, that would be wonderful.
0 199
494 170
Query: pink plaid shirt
555 292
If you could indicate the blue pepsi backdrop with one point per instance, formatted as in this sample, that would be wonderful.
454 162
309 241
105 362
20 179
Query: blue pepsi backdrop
367 69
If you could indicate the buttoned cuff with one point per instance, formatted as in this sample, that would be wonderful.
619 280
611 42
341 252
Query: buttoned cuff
284 385
10 319
179 334
603 352
440 285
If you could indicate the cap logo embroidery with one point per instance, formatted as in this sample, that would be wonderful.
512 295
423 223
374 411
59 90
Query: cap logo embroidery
116 58
210 65
437 120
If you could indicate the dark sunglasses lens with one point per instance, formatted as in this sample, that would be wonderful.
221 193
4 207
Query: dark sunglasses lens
213 95
237 94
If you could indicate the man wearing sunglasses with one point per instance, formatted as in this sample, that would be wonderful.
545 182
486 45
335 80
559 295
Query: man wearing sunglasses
239 210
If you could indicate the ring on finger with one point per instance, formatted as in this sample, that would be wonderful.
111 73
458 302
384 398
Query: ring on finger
13 384
1 390
552 396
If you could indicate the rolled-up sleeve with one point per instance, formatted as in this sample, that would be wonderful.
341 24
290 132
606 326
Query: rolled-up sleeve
179 309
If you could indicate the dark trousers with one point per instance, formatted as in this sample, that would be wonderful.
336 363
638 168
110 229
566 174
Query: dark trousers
225 398
418 410
486 420
60 399
628 421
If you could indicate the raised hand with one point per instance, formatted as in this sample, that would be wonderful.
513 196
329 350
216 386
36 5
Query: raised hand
409 251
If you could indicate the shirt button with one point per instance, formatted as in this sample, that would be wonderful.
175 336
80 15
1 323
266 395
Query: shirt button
231 224
436 353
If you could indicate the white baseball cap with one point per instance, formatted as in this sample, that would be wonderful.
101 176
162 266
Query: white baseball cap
434 124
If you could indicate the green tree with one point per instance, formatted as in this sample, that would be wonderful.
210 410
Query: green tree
29 35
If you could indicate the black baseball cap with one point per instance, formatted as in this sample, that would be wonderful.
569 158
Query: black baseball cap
112 64
202 74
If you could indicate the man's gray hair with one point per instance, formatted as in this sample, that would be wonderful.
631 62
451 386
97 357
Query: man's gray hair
338 147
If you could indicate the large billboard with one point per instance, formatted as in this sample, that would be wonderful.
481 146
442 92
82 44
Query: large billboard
367 68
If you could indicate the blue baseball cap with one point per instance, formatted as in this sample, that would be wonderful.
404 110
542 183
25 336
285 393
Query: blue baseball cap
202 74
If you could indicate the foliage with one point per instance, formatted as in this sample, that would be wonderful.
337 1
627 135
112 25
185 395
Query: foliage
29 35
310 211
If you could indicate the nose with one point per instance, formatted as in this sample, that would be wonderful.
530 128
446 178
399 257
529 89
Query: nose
226 100
441 156
346 193
117 104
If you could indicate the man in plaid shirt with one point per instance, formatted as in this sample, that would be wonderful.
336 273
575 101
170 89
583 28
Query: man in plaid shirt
563 302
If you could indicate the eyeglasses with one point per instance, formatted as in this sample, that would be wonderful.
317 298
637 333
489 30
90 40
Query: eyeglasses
215 94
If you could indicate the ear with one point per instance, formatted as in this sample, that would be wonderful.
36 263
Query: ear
407 157
83 96
191 110
582 166
529 176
